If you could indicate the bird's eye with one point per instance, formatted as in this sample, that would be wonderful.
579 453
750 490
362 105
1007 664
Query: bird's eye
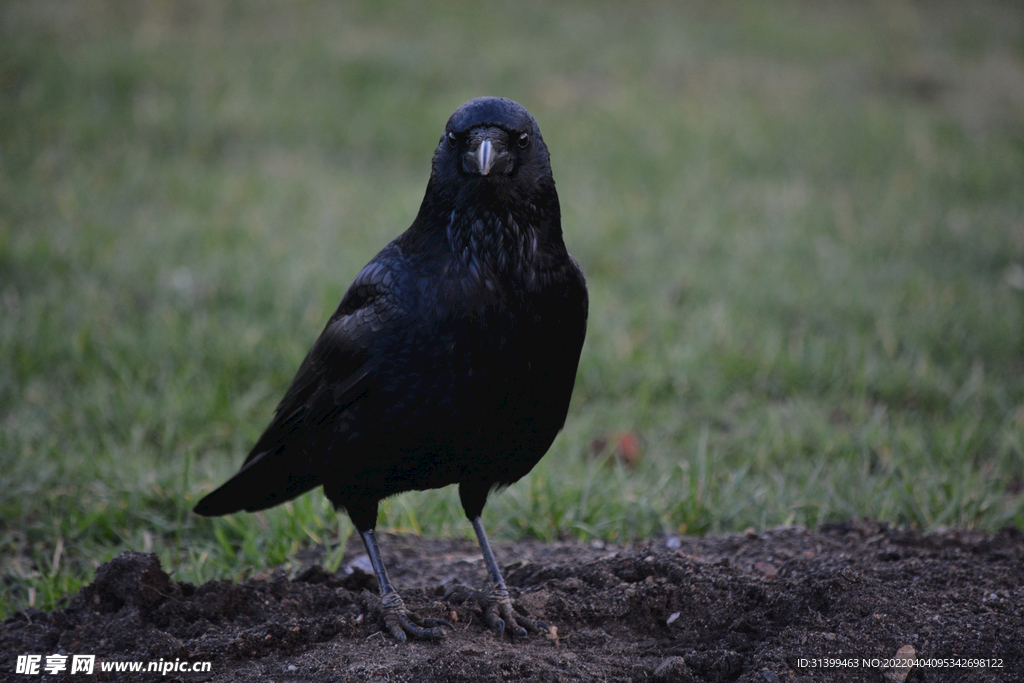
452 141
524 140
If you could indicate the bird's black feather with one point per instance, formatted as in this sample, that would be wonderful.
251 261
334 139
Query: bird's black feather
452 357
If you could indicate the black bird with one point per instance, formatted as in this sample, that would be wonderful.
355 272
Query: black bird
451 359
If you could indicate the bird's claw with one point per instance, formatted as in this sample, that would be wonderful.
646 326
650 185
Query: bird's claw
399 621
499 613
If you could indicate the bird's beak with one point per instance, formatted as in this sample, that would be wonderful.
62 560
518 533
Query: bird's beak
488 152
484 156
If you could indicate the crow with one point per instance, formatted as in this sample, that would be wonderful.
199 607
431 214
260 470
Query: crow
450 360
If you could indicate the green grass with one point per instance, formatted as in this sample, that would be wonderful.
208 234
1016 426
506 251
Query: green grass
802 226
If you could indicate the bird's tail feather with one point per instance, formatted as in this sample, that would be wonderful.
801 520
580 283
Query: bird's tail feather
269 479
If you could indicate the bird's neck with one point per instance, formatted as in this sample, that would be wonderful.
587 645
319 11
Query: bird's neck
493 242
490 238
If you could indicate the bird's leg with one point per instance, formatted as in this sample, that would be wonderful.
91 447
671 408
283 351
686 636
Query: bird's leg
498 610
397 619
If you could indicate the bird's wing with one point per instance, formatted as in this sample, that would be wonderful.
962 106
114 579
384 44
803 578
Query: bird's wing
285 462
336 370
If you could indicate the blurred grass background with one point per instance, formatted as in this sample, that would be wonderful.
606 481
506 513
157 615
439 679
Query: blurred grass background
802 225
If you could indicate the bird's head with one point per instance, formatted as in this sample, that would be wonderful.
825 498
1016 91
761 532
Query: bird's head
491 196
492 139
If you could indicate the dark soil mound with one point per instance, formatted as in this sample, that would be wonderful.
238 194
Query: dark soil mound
851 603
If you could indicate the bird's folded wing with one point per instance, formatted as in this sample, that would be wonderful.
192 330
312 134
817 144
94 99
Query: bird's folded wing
337 370
286 461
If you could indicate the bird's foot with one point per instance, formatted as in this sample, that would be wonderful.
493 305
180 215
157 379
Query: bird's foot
499 613
399 621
